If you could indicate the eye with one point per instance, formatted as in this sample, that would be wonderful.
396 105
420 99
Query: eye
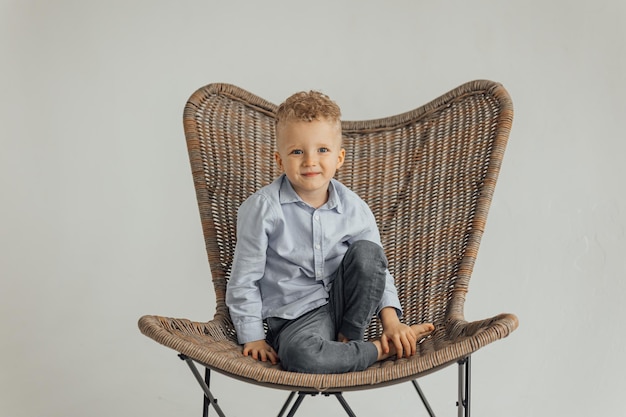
324 150
296 152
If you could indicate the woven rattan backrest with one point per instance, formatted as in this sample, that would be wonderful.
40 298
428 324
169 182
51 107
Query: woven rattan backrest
428 176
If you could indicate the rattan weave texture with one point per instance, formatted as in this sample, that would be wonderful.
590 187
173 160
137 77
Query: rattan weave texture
428 175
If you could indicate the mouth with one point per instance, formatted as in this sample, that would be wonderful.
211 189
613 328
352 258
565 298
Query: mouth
310 174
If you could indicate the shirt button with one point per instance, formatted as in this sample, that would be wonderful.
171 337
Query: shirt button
317 246
316 217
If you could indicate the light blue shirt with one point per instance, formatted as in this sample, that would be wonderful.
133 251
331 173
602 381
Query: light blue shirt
287 253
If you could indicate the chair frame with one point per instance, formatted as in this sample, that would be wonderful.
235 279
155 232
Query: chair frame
477 115
209 400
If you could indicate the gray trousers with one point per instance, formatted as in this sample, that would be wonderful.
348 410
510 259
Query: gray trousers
309 343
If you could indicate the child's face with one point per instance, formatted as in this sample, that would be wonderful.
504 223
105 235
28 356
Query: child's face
310 153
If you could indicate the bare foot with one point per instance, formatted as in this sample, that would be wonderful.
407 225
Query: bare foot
422 330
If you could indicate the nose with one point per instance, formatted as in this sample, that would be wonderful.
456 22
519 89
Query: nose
310 159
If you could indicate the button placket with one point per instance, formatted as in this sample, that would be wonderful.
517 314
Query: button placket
317 246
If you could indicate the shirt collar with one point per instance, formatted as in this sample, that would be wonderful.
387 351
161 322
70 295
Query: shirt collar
288 195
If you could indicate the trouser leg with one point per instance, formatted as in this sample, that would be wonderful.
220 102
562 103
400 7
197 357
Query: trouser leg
358 288
309 343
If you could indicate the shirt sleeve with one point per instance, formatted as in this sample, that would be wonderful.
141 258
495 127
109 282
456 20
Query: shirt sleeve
243 296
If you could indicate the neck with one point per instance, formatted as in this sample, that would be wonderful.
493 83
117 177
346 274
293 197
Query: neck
315 201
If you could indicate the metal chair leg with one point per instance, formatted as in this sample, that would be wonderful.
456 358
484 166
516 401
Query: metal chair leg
205 399
430 411
205 387
344 404
465 380
286 405
296 405
301 396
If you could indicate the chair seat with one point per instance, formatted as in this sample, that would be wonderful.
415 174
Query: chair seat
213 344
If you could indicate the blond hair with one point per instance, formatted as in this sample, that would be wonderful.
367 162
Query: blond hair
308 106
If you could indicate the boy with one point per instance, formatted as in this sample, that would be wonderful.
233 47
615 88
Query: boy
308 260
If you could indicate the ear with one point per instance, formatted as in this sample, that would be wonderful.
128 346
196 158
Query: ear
341 158
279 161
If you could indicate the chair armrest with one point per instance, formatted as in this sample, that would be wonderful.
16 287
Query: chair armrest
199 340
499 326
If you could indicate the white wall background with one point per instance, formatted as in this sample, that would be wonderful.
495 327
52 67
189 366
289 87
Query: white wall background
98 219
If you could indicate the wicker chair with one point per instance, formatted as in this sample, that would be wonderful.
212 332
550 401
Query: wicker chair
428 175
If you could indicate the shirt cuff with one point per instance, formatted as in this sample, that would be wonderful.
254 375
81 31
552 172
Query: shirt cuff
250 331
390 301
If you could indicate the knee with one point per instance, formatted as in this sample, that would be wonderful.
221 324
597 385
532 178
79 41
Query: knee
366 256
306 360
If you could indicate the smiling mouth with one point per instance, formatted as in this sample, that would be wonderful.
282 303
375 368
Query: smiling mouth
310 174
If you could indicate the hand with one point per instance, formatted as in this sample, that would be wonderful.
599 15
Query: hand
401 336
261 351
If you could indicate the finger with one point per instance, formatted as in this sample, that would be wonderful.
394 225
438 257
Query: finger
384 343
412 343
407 346
399 348
402 347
